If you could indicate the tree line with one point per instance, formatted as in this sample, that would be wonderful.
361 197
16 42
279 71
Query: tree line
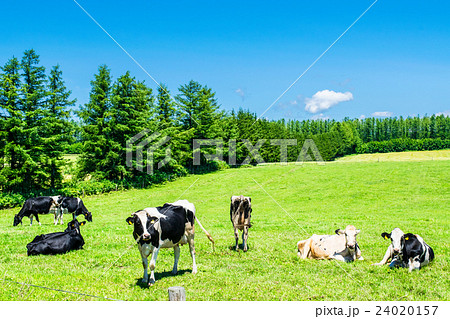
37 128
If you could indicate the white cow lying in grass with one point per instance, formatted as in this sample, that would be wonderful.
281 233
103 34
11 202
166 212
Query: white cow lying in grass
342 246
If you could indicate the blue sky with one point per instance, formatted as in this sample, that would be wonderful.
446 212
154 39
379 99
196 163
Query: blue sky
394 61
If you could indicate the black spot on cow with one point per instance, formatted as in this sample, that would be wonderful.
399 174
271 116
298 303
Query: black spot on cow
413 248
173 226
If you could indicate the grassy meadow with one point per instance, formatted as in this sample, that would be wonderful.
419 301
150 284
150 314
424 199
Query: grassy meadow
290 202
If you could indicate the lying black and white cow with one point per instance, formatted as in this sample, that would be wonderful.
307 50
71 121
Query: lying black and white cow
34 206
342 246
240 215
165 227
74 206
58 243
406 250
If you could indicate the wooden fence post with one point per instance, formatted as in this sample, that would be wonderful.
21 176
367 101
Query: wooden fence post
177 294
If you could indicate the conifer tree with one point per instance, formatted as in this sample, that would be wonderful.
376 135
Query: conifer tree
96 129
57 128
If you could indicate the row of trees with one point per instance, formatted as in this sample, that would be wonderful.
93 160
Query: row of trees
34 124
377 129
36 129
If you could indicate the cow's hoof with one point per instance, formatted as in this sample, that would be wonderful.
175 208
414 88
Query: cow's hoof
174 272
194 271
151 282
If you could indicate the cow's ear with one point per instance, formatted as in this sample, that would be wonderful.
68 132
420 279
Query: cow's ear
357 231
130 220
153 220
386 235
83 223
339 231
408 236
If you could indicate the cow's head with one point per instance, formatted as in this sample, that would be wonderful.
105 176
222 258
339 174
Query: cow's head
350 233
57 200
74 224
397 240
143 225
88 216
17 220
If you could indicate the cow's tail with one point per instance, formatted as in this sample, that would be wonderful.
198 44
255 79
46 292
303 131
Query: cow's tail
205 231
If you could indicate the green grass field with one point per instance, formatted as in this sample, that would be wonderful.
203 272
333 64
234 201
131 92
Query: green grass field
374 196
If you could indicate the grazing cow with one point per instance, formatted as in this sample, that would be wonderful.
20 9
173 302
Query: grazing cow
342 246
34 206
164 227
240 214
74 206
58 243
406 250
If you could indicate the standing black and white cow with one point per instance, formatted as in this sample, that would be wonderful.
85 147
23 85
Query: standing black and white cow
240 214
406 250
168 226
74 206
34 206
58 243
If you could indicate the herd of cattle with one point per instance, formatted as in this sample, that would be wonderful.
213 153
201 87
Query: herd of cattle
172 225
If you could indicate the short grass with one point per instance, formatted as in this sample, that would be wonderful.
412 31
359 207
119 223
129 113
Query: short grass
403 156
289 203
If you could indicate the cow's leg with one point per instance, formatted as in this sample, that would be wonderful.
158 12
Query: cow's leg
414 264
236 237
388 255
153 266
340 258
31 220
190 238
55 219
245 237
176 253
145 252
37 219
395 263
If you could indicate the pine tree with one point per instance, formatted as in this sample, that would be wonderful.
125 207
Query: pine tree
13 154
165 108
33 96
56 126
188 103
96 129
132 102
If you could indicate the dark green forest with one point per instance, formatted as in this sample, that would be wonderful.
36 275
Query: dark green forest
37 128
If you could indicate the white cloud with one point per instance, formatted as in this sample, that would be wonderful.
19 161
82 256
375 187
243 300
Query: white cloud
445 113
325 99
382 114
241 93
362 117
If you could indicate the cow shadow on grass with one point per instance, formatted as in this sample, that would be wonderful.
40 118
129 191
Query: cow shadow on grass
241 248
159 276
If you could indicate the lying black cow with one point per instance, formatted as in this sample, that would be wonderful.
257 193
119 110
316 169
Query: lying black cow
58 243
165 227
74 206
34 206
406 250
